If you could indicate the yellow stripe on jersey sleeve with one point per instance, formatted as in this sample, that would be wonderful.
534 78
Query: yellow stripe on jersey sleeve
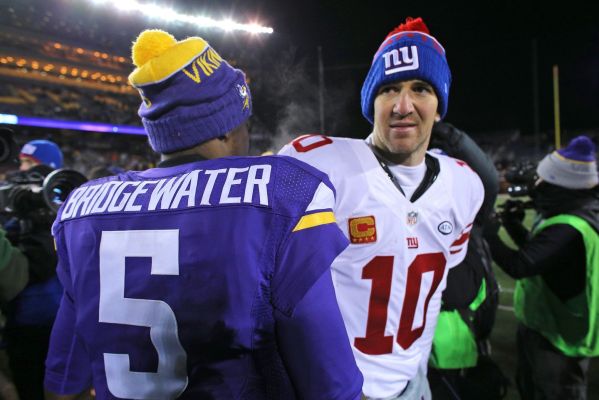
316 219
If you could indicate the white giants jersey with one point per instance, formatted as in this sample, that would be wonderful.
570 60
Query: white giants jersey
389 280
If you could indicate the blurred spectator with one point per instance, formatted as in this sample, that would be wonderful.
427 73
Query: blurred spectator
13 269
13 278
13 264
557 293
31 313
39 152
460 362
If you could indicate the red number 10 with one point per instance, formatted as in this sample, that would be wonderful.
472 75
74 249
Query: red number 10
380 271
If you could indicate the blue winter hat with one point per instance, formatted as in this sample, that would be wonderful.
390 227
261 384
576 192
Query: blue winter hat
573 167
43 152
408 52
190 94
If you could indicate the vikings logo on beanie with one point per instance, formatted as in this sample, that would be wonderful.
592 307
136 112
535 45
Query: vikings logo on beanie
573 167
408 52
190 94
43 152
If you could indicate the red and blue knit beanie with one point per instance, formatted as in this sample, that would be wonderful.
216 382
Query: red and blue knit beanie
42 152
408 52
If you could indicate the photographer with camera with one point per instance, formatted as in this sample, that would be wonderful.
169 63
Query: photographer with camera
31 313
556 299
14 272
29 290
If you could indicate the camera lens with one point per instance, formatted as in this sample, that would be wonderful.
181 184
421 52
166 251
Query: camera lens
59 184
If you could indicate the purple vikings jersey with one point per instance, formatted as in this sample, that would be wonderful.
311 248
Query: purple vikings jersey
174 279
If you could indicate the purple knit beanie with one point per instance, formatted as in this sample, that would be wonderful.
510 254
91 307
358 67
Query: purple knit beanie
572 167
190 94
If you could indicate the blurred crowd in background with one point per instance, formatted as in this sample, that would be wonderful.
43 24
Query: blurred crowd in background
59 65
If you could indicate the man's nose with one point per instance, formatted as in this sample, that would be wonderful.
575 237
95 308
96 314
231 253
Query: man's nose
403 103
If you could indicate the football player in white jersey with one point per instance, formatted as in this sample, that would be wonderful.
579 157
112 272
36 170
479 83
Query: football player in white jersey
407 213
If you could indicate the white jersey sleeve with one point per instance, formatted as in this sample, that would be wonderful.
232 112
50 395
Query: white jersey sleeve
320 151
467 195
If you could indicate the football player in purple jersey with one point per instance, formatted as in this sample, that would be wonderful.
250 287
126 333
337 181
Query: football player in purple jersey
206 277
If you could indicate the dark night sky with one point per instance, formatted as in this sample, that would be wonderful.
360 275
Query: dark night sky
489 49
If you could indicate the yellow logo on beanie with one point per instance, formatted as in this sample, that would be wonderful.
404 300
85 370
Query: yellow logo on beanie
243 93
208 62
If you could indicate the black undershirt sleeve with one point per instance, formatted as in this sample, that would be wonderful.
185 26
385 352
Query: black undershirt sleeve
557 253
519 234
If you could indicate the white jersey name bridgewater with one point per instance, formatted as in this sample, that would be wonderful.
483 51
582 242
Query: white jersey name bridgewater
198 187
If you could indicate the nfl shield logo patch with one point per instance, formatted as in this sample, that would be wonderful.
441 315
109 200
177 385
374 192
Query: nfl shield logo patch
412 218
362 230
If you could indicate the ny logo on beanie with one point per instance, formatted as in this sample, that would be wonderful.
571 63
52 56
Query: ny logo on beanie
409 59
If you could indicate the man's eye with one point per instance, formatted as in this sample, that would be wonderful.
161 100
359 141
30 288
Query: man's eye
423 89
388 89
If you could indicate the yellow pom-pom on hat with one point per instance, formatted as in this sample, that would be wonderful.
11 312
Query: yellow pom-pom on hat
149 44
158 55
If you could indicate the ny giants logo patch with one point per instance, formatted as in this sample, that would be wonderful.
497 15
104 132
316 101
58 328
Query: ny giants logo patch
402 59
412 242
362 230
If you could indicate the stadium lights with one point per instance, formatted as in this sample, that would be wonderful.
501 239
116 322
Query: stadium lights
170 15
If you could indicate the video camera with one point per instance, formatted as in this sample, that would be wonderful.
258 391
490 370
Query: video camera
36 194
521 178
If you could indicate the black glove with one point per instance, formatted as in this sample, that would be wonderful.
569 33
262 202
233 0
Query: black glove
513 211
491 225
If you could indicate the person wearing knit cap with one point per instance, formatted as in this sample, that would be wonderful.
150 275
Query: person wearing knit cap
406 212
34 308
556 300
40 152
199 278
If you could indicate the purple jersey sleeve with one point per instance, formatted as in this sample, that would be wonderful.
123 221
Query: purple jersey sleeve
315 347
310 238
305 256
310 332
67 363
